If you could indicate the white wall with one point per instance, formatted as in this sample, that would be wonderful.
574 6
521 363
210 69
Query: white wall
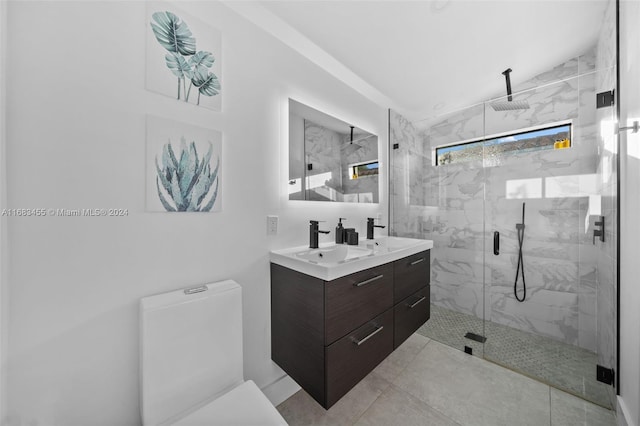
629 209
76 107
4 294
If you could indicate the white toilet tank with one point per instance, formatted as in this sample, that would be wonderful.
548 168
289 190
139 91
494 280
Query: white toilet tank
190 350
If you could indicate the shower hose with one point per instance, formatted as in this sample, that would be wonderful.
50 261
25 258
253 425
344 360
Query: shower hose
520 268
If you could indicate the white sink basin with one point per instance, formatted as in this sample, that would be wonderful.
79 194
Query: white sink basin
332 261
391 244
334 254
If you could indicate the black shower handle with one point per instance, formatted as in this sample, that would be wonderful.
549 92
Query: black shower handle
496 243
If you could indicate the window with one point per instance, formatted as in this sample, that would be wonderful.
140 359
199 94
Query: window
550 137
363 169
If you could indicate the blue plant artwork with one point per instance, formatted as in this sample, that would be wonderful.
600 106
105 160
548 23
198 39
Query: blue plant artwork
185 182
183 60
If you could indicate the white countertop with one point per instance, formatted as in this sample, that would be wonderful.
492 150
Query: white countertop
378 252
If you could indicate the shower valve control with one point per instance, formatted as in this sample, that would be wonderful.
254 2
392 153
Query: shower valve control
598 232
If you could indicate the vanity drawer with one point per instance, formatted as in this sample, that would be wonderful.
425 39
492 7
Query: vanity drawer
351 358
410 274
352 300
410 314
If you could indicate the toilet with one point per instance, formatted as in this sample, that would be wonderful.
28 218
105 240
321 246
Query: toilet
191 361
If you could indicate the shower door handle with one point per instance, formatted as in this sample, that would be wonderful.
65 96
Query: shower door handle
496 243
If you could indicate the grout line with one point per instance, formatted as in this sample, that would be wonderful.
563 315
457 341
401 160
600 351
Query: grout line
415 396
412 359
550 410
371 405
427 404
390 382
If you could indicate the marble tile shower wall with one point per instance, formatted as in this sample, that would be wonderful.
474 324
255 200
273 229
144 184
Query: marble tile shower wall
457 226
559 189
366 187
409 177
325 149
459 206
322 148
606 252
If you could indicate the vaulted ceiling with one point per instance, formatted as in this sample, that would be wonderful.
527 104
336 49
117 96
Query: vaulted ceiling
426 58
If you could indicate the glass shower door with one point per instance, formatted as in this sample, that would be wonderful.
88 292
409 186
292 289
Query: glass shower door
543 196
512 199
466 180
439 196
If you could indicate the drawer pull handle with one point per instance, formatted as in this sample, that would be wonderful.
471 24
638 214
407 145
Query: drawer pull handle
369 336
414 304
370 280
415 262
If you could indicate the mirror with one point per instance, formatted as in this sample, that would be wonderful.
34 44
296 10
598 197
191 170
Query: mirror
330 160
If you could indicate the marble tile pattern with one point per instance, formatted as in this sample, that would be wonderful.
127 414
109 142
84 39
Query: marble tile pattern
325 149
322 150
459 206
428 383
408 182
368 151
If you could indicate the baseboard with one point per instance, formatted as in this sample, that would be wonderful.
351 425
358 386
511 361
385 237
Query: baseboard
280 390
622 414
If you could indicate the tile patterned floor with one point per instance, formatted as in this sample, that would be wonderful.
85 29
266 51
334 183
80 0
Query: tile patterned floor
567 367
425 382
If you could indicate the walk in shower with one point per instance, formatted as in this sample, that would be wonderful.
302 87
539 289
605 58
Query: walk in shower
461 180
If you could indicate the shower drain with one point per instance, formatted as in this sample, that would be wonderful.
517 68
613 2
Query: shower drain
476 337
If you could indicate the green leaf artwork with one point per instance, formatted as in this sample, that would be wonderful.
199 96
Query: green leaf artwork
206 82
186 179
202 59
179 67
182 59
173 33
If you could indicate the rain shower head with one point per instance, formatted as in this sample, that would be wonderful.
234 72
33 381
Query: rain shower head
509 105
351 147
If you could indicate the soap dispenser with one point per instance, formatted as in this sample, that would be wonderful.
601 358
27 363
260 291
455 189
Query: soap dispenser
340 231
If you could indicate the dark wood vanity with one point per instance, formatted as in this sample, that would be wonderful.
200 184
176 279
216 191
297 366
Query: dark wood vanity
328 335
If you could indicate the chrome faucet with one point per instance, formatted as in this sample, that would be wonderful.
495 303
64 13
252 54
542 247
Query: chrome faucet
370 227
313 233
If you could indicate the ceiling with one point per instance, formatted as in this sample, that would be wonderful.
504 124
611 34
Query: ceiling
431 57
324 120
